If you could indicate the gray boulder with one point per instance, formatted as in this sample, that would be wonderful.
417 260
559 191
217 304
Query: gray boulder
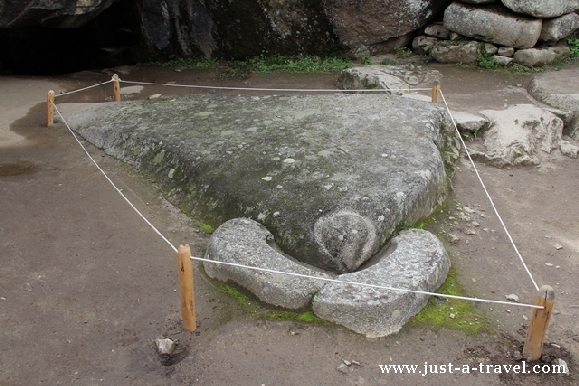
494 24
418 262
479 1
532 57
371 23
244 241
506 51
455 52
559 28
542 9
307 167
518 134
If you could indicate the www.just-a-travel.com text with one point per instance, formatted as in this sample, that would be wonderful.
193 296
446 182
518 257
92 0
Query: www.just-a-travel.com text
450 368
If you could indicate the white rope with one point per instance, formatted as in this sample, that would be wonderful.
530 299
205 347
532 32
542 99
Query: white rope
366 284
489 196
111 182
374 90
83 89
280 272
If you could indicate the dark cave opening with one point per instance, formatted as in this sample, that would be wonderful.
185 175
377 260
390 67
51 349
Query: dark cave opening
107 40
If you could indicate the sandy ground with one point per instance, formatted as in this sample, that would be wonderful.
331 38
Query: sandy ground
86 285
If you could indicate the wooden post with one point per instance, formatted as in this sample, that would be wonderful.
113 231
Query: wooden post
187 291
50 108
436 91
116 88
533 348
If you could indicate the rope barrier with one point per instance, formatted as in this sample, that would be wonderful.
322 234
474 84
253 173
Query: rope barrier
293 273
374 90
489 196
84 89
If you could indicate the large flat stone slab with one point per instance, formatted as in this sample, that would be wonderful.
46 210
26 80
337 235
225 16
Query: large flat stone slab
418 262
332 177
244 241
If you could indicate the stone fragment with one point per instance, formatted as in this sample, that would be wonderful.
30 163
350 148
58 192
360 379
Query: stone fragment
165 346
512 298
503 60
559 28
569 150
469 122
542 9
563 367
489 49
422 44
418 262
455 52
493 24
244 241
437 31
506 51
343 369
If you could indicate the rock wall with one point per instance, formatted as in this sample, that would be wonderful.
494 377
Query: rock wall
244 28
532 33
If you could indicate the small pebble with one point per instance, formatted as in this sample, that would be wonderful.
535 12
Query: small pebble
347 362
549 264
343 369
555 345
452 316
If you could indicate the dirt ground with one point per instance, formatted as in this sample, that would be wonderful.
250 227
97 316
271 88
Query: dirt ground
86 285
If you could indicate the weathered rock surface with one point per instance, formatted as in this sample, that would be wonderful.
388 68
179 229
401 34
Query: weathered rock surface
455 52
398 79
50 13
418 262
422 44
503 60
494 24
244 241
541 56
518 134
542 9
559 28
365 23
332 177
553 88
469 122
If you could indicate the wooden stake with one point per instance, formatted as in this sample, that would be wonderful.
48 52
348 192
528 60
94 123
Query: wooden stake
50 108
533 348
436 91
116 88
187 290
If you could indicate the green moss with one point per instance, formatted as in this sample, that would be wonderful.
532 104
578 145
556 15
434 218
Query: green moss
207 228
438 311
254 309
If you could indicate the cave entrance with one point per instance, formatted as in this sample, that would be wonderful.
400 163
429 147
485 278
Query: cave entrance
108 40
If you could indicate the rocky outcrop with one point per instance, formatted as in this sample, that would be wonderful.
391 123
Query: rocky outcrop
535 57
455 52
493 24
519 134
50 13
395 79
332 177
418 262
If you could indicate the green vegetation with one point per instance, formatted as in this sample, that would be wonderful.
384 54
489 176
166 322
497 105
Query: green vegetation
207 228
573 43
387 62
452 313
190 64
487 62
254 309
365 60
403 52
